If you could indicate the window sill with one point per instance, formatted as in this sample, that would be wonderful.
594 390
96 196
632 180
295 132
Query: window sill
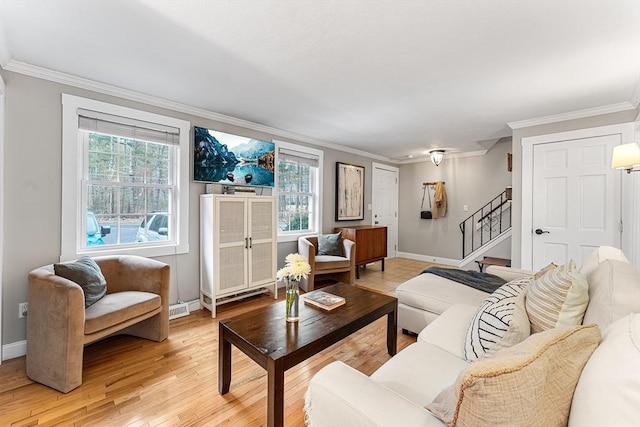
148 251
294 237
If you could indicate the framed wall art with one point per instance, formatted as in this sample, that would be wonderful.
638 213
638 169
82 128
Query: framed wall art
349 192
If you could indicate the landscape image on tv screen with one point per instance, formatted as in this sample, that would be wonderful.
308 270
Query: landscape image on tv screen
232 159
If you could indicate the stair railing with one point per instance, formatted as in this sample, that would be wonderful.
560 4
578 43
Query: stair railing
486 223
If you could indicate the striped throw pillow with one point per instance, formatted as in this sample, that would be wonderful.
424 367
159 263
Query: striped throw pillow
559 298
501 321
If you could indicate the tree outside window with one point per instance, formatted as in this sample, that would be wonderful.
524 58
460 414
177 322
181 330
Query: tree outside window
298 190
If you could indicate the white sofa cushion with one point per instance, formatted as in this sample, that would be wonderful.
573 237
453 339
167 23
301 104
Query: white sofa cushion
500 321
558 298
614 292
509 273
531 382
339 395
599 255
448 331
435 294
419 372
608 392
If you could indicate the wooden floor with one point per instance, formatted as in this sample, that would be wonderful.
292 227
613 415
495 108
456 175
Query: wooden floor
134 382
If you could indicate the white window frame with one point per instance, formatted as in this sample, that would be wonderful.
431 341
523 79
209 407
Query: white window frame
72 176
291 236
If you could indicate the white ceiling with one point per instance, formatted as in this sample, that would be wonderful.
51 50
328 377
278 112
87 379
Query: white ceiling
392 78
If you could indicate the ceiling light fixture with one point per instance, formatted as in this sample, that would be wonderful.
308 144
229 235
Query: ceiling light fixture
437 156
626 156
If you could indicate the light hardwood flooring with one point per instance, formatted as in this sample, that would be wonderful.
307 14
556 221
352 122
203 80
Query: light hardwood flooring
134 382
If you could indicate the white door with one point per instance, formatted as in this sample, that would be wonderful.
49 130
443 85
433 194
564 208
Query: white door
384 199
575 199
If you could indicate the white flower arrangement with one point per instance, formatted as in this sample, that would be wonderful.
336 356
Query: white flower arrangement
296 267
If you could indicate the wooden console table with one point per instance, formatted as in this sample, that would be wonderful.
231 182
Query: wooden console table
371 243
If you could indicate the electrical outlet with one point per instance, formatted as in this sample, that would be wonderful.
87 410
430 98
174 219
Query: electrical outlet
23 307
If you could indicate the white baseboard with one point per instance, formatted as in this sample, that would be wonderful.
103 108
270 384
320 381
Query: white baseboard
13 350
429 258
194 305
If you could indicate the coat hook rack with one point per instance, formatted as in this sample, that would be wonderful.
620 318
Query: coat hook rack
431 184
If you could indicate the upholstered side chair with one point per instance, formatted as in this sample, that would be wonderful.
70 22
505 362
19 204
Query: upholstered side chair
341 268
59 326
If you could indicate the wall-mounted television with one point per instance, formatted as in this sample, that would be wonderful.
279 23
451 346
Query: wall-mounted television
229 159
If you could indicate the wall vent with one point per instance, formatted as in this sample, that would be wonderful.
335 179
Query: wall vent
178 310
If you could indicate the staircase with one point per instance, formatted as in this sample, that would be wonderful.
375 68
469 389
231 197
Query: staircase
486 227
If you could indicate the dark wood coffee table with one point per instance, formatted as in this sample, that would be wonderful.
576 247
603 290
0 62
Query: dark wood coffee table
266 337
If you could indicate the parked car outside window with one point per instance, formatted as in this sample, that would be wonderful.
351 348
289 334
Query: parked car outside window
153 228
95 232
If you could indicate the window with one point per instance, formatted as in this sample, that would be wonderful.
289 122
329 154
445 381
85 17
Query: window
299 187
125 176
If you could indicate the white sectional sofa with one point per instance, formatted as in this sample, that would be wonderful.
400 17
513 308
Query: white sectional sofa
607 391
423 298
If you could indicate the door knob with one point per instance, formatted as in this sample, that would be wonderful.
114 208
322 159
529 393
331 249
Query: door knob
540 231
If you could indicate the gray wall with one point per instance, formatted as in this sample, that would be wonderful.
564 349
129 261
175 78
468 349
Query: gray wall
33 174
329 195
471 181
518 134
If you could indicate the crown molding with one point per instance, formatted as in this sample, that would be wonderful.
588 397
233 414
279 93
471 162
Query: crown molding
635 97
82 83
580 114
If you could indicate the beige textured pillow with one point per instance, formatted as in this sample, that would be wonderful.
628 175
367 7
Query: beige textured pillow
558 298
533 380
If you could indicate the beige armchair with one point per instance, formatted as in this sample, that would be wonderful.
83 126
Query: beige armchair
59 326
340 268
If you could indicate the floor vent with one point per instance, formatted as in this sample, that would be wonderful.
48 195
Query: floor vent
178 310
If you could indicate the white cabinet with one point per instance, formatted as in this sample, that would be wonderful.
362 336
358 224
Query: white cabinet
237 248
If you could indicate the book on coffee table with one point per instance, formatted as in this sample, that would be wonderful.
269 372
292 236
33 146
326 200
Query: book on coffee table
323 299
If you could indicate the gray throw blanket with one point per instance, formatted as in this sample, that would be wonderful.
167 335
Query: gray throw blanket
482 281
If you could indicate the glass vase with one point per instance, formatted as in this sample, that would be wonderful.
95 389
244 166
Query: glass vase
292 295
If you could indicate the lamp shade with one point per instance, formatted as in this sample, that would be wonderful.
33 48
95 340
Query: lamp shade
437 156
626 156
